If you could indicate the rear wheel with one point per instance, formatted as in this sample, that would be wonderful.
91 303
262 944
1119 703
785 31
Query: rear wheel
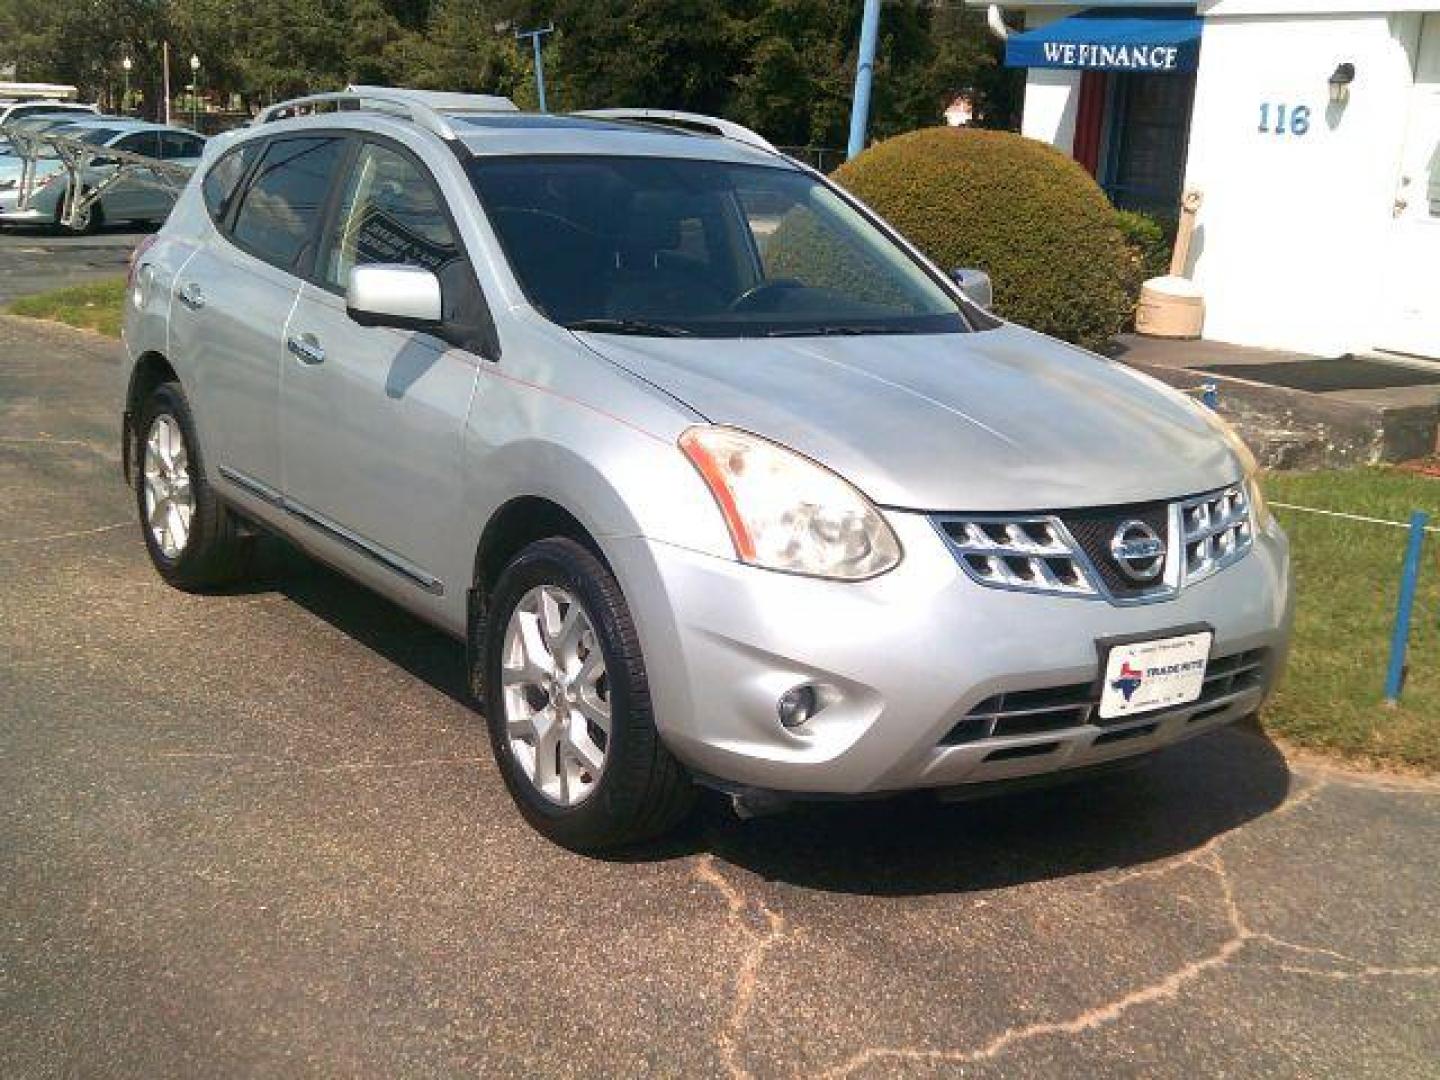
193 540
568 704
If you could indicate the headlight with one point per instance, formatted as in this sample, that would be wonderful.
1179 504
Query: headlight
1260 517
785 512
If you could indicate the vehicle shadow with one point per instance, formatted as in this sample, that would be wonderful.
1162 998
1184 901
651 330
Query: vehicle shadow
1171 804
370 619
1166 806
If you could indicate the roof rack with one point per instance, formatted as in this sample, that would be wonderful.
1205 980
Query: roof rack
685 121
427 108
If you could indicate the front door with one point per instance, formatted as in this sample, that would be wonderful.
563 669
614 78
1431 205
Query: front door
133 195
373 418
1411 297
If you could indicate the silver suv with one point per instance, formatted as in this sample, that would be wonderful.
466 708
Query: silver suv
720 480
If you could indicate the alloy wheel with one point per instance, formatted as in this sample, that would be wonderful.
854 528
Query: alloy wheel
555 694
169 497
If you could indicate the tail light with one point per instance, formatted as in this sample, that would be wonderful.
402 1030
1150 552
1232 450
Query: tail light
135 257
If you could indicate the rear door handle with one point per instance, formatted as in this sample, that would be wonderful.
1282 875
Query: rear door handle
192 296
306 348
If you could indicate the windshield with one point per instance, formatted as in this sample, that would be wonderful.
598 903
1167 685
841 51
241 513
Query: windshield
94 136
661 246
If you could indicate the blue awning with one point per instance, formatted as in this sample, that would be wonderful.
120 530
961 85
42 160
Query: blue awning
1156 40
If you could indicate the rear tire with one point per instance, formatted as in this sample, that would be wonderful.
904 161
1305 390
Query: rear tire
193 539
559 626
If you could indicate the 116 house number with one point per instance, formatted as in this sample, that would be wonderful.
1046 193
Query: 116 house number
1284 119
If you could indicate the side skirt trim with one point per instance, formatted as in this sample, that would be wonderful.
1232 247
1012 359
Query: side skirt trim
386 558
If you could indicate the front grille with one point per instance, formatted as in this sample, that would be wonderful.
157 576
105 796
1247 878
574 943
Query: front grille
1035 712
1216 530
1070 552
1017 553
1094 529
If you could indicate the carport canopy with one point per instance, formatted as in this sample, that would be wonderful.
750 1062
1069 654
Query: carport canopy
1153 40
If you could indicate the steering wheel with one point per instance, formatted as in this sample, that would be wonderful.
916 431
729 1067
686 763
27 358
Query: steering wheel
753 296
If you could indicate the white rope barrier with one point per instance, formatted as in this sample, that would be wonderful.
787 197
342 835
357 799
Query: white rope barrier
1349 517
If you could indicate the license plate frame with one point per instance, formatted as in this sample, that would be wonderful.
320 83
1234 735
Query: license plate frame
1150 658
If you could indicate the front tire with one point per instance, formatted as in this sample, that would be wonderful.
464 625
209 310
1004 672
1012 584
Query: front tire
193 539
568 704
89 222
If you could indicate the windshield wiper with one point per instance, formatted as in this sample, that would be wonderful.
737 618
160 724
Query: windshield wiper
831 330
628 326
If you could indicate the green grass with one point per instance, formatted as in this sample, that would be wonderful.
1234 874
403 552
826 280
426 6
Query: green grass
1347 577
93 306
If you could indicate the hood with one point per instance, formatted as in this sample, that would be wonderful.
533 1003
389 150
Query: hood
1003 419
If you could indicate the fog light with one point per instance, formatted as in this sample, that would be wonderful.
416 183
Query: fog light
797 705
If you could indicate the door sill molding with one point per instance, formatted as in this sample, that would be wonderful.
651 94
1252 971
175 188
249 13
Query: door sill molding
386 558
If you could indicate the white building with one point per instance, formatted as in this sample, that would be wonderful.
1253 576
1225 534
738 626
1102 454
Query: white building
1311 128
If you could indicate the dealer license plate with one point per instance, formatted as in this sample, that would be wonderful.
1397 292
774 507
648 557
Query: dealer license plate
1148 675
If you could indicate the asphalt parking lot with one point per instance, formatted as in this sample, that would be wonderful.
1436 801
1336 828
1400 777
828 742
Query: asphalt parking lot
36 260
260 833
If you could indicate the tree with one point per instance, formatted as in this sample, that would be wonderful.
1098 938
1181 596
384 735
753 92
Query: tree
466 47
785 67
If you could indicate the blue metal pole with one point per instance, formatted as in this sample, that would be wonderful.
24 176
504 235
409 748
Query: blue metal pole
864 72
1400 640
539 70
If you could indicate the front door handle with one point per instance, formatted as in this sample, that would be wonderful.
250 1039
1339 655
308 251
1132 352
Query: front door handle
306 348
192 296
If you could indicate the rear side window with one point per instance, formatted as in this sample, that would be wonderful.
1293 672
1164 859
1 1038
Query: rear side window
224 178
282 204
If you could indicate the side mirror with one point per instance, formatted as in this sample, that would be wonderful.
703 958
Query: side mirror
975 284
391 294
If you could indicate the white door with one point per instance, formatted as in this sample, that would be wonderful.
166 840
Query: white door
1411 322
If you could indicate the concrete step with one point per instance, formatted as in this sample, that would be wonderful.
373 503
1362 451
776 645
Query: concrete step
1292 428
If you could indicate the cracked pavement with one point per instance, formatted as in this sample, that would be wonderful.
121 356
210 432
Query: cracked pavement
260 833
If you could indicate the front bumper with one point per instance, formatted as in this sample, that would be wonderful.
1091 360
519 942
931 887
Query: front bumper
904 658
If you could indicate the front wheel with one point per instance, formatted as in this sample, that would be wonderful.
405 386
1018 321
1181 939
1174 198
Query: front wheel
193 539
568 704
85 223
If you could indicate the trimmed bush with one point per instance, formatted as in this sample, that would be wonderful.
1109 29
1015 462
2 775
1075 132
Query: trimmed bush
1152 239
1016 208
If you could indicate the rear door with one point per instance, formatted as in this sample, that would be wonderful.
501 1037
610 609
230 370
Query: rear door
373 418
235 295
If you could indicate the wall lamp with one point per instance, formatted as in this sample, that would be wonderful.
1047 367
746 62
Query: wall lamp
1340 81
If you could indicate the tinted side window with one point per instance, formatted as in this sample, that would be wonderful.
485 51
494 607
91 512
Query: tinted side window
279 209
176 144
389 213
224 177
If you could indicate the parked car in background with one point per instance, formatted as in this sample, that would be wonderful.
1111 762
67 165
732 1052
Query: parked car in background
11 111
47 160
137 195
721 481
